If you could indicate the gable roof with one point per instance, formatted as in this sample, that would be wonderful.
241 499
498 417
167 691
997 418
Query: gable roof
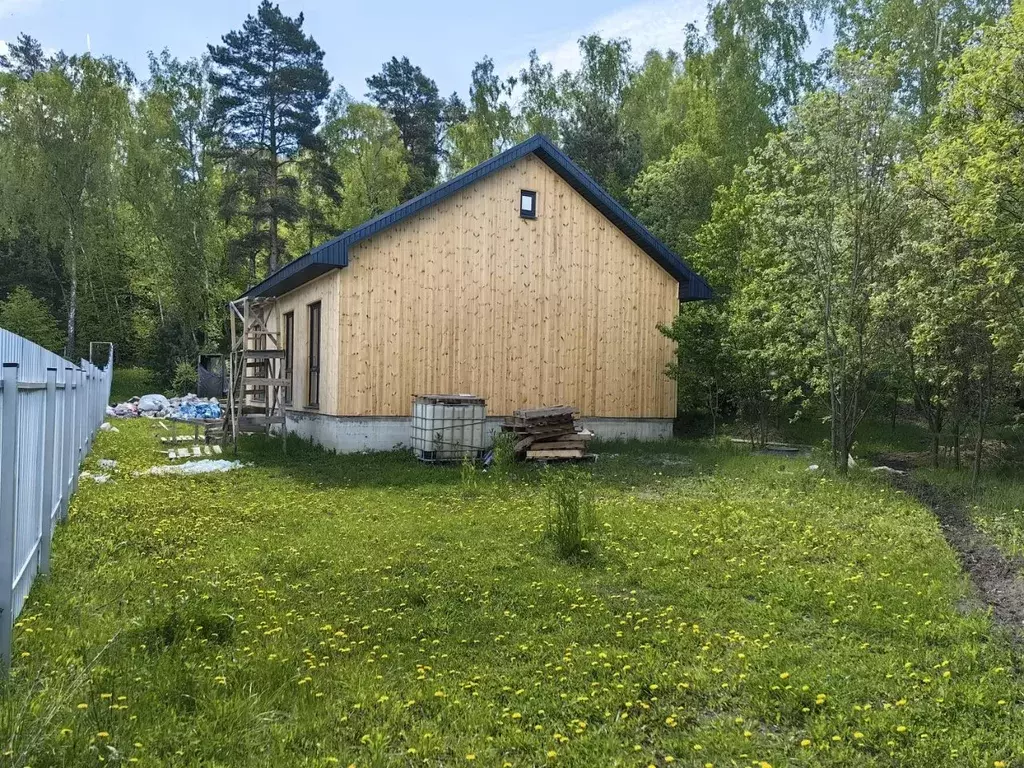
334 253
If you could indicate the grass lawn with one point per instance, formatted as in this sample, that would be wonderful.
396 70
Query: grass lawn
315 610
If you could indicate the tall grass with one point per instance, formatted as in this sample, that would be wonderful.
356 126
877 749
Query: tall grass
503 457
571 514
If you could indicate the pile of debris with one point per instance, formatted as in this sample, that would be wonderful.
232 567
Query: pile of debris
187 408
548 433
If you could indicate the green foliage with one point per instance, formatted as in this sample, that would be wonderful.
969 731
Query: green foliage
503 459
413 102
63 132
570 522
269 82
132 382
592 128
24 314
540 104
490 125
185 379
368 154
673 197
822 216
918 38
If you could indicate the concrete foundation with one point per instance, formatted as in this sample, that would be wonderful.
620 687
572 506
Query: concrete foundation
352 434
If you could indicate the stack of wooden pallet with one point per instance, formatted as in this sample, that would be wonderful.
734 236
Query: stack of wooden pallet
548 433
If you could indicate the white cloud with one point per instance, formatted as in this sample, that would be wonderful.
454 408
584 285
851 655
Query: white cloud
651 24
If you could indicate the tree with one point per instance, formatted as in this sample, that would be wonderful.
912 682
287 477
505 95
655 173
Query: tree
170 189
368 153
673 196
593 133
63 132
270 82
774 34
24 314
652 108
960 284
412 100
24 57
540 103
917 37
825 217
490 125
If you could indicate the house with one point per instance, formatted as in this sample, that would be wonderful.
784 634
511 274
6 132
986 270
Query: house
520 281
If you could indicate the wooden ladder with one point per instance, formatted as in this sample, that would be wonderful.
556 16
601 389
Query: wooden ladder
258 381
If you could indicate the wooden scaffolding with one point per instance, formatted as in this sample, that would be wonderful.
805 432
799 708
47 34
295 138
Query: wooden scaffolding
257 376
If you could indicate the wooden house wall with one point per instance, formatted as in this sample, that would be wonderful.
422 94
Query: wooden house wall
324 289
467 296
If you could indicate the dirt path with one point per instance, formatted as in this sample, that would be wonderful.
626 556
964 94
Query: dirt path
997 577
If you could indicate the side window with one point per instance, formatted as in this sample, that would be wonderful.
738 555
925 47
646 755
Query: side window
313 382
289 354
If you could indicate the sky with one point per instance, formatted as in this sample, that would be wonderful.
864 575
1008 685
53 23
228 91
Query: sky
445 38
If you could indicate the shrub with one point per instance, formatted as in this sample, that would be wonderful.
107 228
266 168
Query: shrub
503 456
571 513
29 317
186 379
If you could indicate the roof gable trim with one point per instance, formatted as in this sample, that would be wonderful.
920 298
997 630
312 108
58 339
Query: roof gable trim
334 253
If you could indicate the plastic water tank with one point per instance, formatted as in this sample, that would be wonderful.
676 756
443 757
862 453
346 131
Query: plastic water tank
448 427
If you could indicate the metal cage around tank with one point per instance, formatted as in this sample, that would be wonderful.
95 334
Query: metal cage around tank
449 428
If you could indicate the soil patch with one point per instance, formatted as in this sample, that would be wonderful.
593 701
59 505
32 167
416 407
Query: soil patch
997 577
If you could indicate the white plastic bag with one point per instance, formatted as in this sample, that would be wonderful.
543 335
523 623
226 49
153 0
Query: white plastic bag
152 403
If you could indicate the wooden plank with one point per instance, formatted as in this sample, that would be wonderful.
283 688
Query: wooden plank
544 413
567 454
264 354
251 381
559 445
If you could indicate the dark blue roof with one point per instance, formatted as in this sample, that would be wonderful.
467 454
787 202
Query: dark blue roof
334 253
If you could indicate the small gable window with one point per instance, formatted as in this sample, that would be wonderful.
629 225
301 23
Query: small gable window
528 204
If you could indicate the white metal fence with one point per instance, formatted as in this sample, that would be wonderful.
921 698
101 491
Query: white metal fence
50 409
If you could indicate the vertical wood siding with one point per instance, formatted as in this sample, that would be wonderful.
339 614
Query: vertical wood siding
324 289
469 297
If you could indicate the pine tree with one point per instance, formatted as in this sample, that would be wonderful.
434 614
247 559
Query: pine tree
270 82
413 102
24 57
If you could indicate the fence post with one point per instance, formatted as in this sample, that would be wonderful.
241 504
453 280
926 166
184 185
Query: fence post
67 439
8 499
50 469
76 435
